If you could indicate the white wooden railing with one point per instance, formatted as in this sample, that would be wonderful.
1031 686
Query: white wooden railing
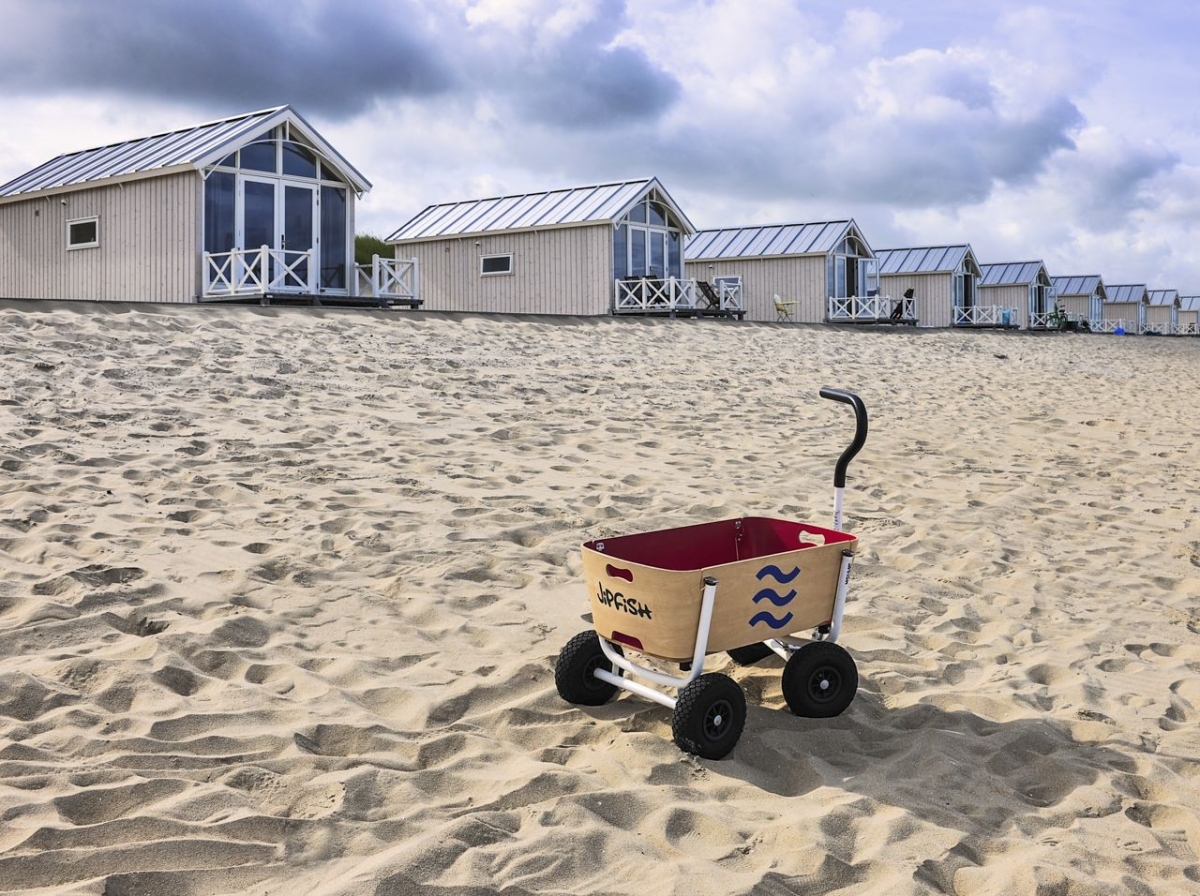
1111 326
730 293
650 295
389 279
248 272
1188 329
870 308
985 316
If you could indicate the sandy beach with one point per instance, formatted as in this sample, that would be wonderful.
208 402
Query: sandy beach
283 590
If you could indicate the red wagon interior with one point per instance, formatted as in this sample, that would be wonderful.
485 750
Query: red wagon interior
712 544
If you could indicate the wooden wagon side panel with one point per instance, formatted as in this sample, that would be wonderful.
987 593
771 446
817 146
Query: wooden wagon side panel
756 599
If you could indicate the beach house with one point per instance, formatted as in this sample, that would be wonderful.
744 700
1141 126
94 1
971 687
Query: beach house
1081 298
1189 316
254 207
1023 286
1162 312
610 248
944 281
795 272
1124 309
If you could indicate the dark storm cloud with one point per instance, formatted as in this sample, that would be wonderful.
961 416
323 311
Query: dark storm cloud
329 59
599 89
581 81
1114 182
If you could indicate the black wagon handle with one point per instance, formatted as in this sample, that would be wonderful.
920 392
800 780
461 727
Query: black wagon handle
860 430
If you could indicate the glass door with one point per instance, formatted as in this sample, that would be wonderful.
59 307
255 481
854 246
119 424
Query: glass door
299 215
258 227
282 217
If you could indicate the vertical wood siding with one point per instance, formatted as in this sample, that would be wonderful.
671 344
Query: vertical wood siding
1186 319
558 271
1126 311
148 252
800 280
1160 316
1008 296
933 295
1077 307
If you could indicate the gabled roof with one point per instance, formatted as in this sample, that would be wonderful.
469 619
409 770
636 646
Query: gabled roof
1014 273
1079 285
1189 303
1165 297
772 240
927 260
1128 292
191 148
598 204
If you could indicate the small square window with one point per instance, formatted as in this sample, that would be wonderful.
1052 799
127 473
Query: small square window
495 264
83 233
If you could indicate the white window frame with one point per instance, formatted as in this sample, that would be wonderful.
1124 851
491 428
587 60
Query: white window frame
90 219
508 273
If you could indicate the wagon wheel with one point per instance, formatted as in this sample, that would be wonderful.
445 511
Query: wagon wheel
573 671
750 654
709 716
819 680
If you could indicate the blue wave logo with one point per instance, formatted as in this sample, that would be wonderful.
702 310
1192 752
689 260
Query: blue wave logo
770 620
770 594
779 600
777 574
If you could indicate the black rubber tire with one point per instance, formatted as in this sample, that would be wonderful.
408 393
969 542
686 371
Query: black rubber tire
750 654
709 716
573 671
820 680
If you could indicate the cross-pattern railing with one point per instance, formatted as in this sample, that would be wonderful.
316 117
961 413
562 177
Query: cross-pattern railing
246 272
649 295
1188 329
870 308
390 279
730 292
1111 326
985 316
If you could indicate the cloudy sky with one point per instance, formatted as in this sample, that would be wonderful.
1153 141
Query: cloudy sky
1067 131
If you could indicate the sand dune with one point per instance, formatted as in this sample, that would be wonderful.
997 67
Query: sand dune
283 590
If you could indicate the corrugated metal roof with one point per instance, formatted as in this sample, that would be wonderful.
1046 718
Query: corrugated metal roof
925 260
1080 285
1164 297
528 211
1127 292
1013 273
770 240
193 147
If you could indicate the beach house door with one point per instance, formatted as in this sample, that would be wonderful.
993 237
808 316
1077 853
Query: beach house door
281 217
257 201
298 236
